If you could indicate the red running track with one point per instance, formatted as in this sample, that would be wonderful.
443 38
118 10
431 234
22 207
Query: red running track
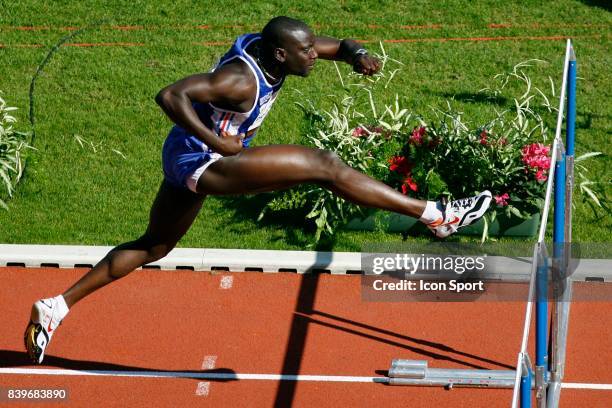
272 324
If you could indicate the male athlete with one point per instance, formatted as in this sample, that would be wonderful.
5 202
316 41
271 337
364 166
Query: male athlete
216 115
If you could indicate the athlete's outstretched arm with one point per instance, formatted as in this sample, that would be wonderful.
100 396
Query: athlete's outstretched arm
349 51
226 86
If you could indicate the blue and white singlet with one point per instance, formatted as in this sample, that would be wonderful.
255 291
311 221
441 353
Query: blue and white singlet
184 153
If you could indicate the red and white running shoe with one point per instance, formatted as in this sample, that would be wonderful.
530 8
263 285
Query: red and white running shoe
460 213
46 316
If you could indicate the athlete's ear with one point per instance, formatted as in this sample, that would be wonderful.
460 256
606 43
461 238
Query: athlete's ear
280 54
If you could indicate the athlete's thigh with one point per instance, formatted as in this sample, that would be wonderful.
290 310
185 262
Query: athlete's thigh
172 213
264 168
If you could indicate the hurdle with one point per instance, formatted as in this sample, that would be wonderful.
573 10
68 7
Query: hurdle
547 376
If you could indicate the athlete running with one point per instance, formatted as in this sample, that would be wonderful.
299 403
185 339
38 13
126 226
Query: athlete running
216 115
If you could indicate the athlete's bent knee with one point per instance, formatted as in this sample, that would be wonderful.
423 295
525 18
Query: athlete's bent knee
157 252
147 248
329 164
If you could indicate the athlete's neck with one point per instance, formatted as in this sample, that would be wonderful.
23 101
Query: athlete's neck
271 71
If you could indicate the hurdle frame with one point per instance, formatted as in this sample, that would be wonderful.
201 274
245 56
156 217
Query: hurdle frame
562 241
548 375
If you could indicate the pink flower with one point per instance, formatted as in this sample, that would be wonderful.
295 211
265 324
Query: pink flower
503 141
400 164
542 162
541 175
483 137
417 135
534 150
535 156
502 200
409 183
359 131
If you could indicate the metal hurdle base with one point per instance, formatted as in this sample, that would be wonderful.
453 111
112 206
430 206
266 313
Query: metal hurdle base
416 372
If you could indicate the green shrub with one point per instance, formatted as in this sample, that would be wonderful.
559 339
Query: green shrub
440 154
12 145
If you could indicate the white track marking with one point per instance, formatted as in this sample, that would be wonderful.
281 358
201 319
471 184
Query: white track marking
209 362
192 374
226 282
585 386
235 376
203 387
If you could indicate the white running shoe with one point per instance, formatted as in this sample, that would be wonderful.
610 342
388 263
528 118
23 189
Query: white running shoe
46 316
460 213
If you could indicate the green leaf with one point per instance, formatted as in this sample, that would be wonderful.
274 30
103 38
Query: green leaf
262 214
485 231
590 193
586 156
315 212
7 181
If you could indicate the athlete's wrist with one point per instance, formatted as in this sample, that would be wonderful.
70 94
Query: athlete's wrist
351 50
358 53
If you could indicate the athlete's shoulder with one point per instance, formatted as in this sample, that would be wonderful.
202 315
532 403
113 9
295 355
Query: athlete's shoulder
235 81
236 72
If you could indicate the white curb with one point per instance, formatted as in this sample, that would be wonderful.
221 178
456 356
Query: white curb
240 260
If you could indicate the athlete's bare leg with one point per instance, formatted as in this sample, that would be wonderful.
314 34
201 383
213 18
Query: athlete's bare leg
257 169
172 213
276 167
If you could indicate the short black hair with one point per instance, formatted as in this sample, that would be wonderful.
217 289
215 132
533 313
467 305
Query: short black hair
275 32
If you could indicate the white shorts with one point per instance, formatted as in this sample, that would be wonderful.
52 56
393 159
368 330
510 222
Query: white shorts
192 179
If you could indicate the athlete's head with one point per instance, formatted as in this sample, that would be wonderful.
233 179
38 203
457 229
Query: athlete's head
290 43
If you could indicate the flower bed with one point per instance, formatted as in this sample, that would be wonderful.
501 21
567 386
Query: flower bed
428 157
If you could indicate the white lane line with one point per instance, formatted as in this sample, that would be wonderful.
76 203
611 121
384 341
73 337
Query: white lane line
195 375
226 282
236 376
203 387
585 386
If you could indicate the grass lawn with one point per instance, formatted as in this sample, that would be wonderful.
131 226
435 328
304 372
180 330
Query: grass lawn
100 192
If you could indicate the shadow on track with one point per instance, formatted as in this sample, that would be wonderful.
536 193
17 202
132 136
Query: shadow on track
12 359
305 314
432 354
